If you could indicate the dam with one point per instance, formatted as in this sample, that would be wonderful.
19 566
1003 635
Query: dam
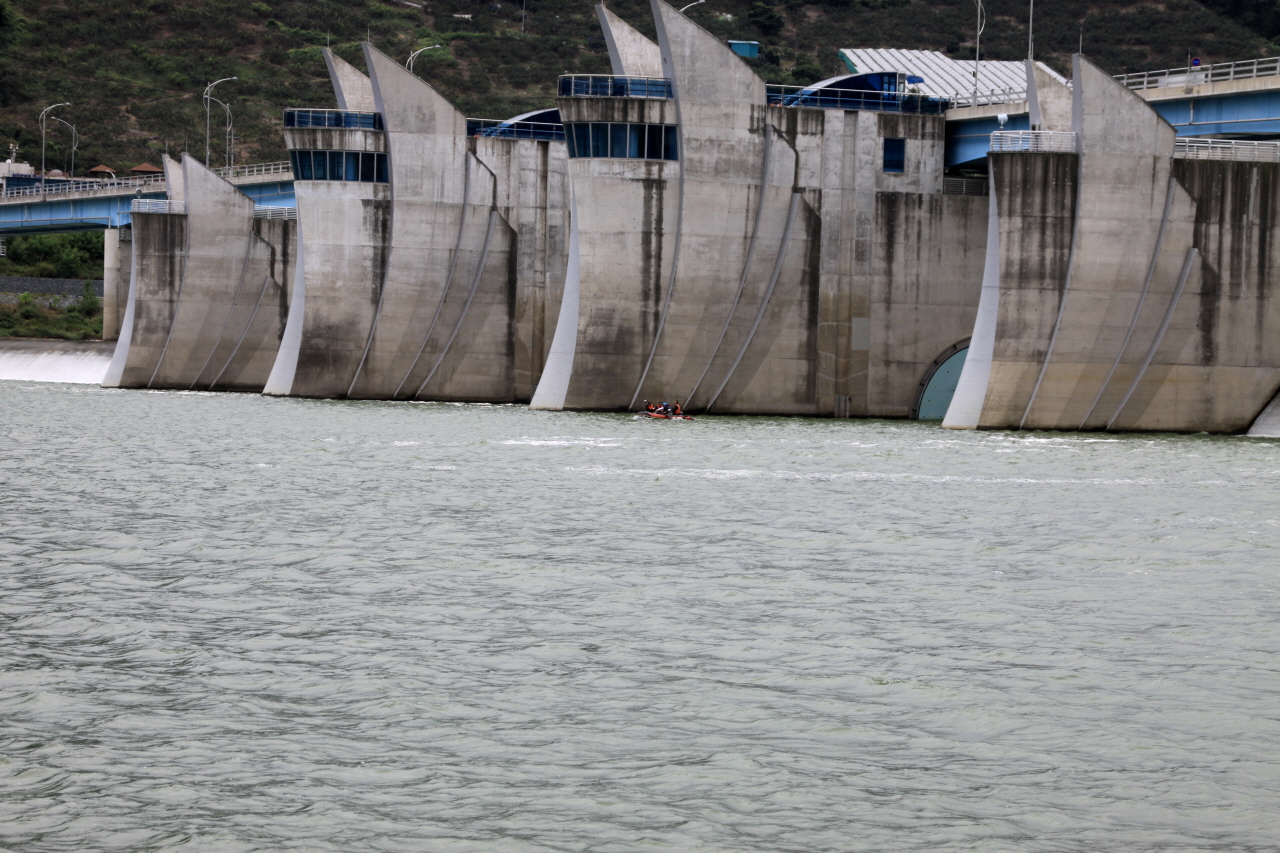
1088 253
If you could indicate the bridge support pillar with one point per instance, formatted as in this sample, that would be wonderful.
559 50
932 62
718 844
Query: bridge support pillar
117 264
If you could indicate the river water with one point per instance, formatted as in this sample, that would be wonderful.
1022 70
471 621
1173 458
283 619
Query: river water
234 623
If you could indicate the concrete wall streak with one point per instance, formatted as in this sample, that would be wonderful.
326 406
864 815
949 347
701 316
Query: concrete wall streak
630 53
159 240
352 89
212 297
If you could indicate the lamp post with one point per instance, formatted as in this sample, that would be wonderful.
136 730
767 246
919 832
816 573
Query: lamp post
977 47
207 97
44 113
75 142
229 138
691 5
408 63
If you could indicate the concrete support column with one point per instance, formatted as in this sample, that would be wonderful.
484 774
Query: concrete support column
117 261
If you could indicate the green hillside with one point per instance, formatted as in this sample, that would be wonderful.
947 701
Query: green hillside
134 71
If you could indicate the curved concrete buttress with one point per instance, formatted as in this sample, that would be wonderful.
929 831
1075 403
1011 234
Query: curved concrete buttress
213 305
553 384
442 255
631 54
175 185
159 241
352 89
120 356
1267 424
285 366
965 409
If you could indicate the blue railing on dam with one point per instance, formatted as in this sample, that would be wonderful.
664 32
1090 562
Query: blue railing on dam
852 99
606 86
333 118
507 129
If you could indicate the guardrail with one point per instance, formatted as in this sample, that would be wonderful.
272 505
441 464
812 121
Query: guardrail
506 129
276 167
995 96
333 118
1195 74
64 187
1227 149
607 86
966 186
1033 141
848 99
275 213
157 205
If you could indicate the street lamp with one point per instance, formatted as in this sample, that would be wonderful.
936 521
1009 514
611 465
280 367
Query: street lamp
229 138
408 63
207 90
44 113
75 142
695 3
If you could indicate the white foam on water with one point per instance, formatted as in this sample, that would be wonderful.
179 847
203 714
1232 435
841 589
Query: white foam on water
88 367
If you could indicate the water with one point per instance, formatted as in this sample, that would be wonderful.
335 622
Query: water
233 623
55 361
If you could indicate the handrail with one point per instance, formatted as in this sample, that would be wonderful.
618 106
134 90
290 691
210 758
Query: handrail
348 119
157 205
1227 149
1033 141
245 170
508 129
609 86
82 185
275 213
1009 95
851 99
1193 75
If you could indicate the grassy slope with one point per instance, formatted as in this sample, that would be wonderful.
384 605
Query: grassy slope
134 69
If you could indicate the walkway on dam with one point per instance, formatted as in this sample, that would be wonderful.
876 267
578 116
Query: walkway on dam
95 205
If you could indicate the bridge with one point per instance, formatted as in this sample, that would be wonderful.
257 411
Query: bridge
97 205
1239 100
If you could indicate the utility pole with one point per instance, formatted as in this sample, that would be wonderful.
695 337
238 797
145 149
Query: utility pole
207 97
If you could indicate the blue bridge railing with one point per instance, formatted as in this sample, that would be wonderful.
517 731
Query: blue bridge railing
604 86
333 118
507 129
849 99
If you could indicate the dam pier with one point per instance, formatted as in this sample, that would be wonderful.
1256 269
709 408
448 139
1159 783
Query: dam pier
1092 253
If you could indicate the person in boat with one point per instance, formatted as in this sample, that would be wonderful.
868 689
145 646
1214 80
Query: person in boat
650 407
676 411
664 408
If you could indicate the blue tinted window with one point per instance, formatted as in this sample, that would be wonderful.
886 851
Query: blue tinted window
633 141
895 155
340 166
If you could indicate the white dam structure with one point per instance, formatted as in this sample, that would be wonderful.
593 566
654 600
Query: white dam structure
1090 253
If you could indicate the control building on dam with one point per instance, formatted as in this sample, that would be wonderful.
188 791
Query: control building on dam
1048 254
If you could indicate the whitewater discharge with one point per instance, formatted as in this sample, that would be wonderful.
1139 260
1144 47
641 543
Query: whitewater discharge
238 623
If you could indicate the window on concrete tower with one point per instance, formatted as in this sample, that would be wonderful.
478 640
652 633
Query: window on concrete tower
895 155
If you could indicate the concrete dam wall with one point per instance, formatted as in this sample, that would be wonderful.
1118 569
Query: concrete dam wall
1129 287
679 230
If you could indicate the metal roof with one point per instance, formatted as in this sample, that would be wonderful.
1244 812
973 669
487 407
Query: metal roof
943 76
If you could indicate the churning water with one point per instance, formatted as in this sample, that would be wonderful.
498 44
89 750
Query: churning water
234 623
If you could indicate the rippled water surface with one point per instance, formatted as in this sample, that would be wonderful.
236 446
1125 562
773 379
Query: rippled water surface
232 623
